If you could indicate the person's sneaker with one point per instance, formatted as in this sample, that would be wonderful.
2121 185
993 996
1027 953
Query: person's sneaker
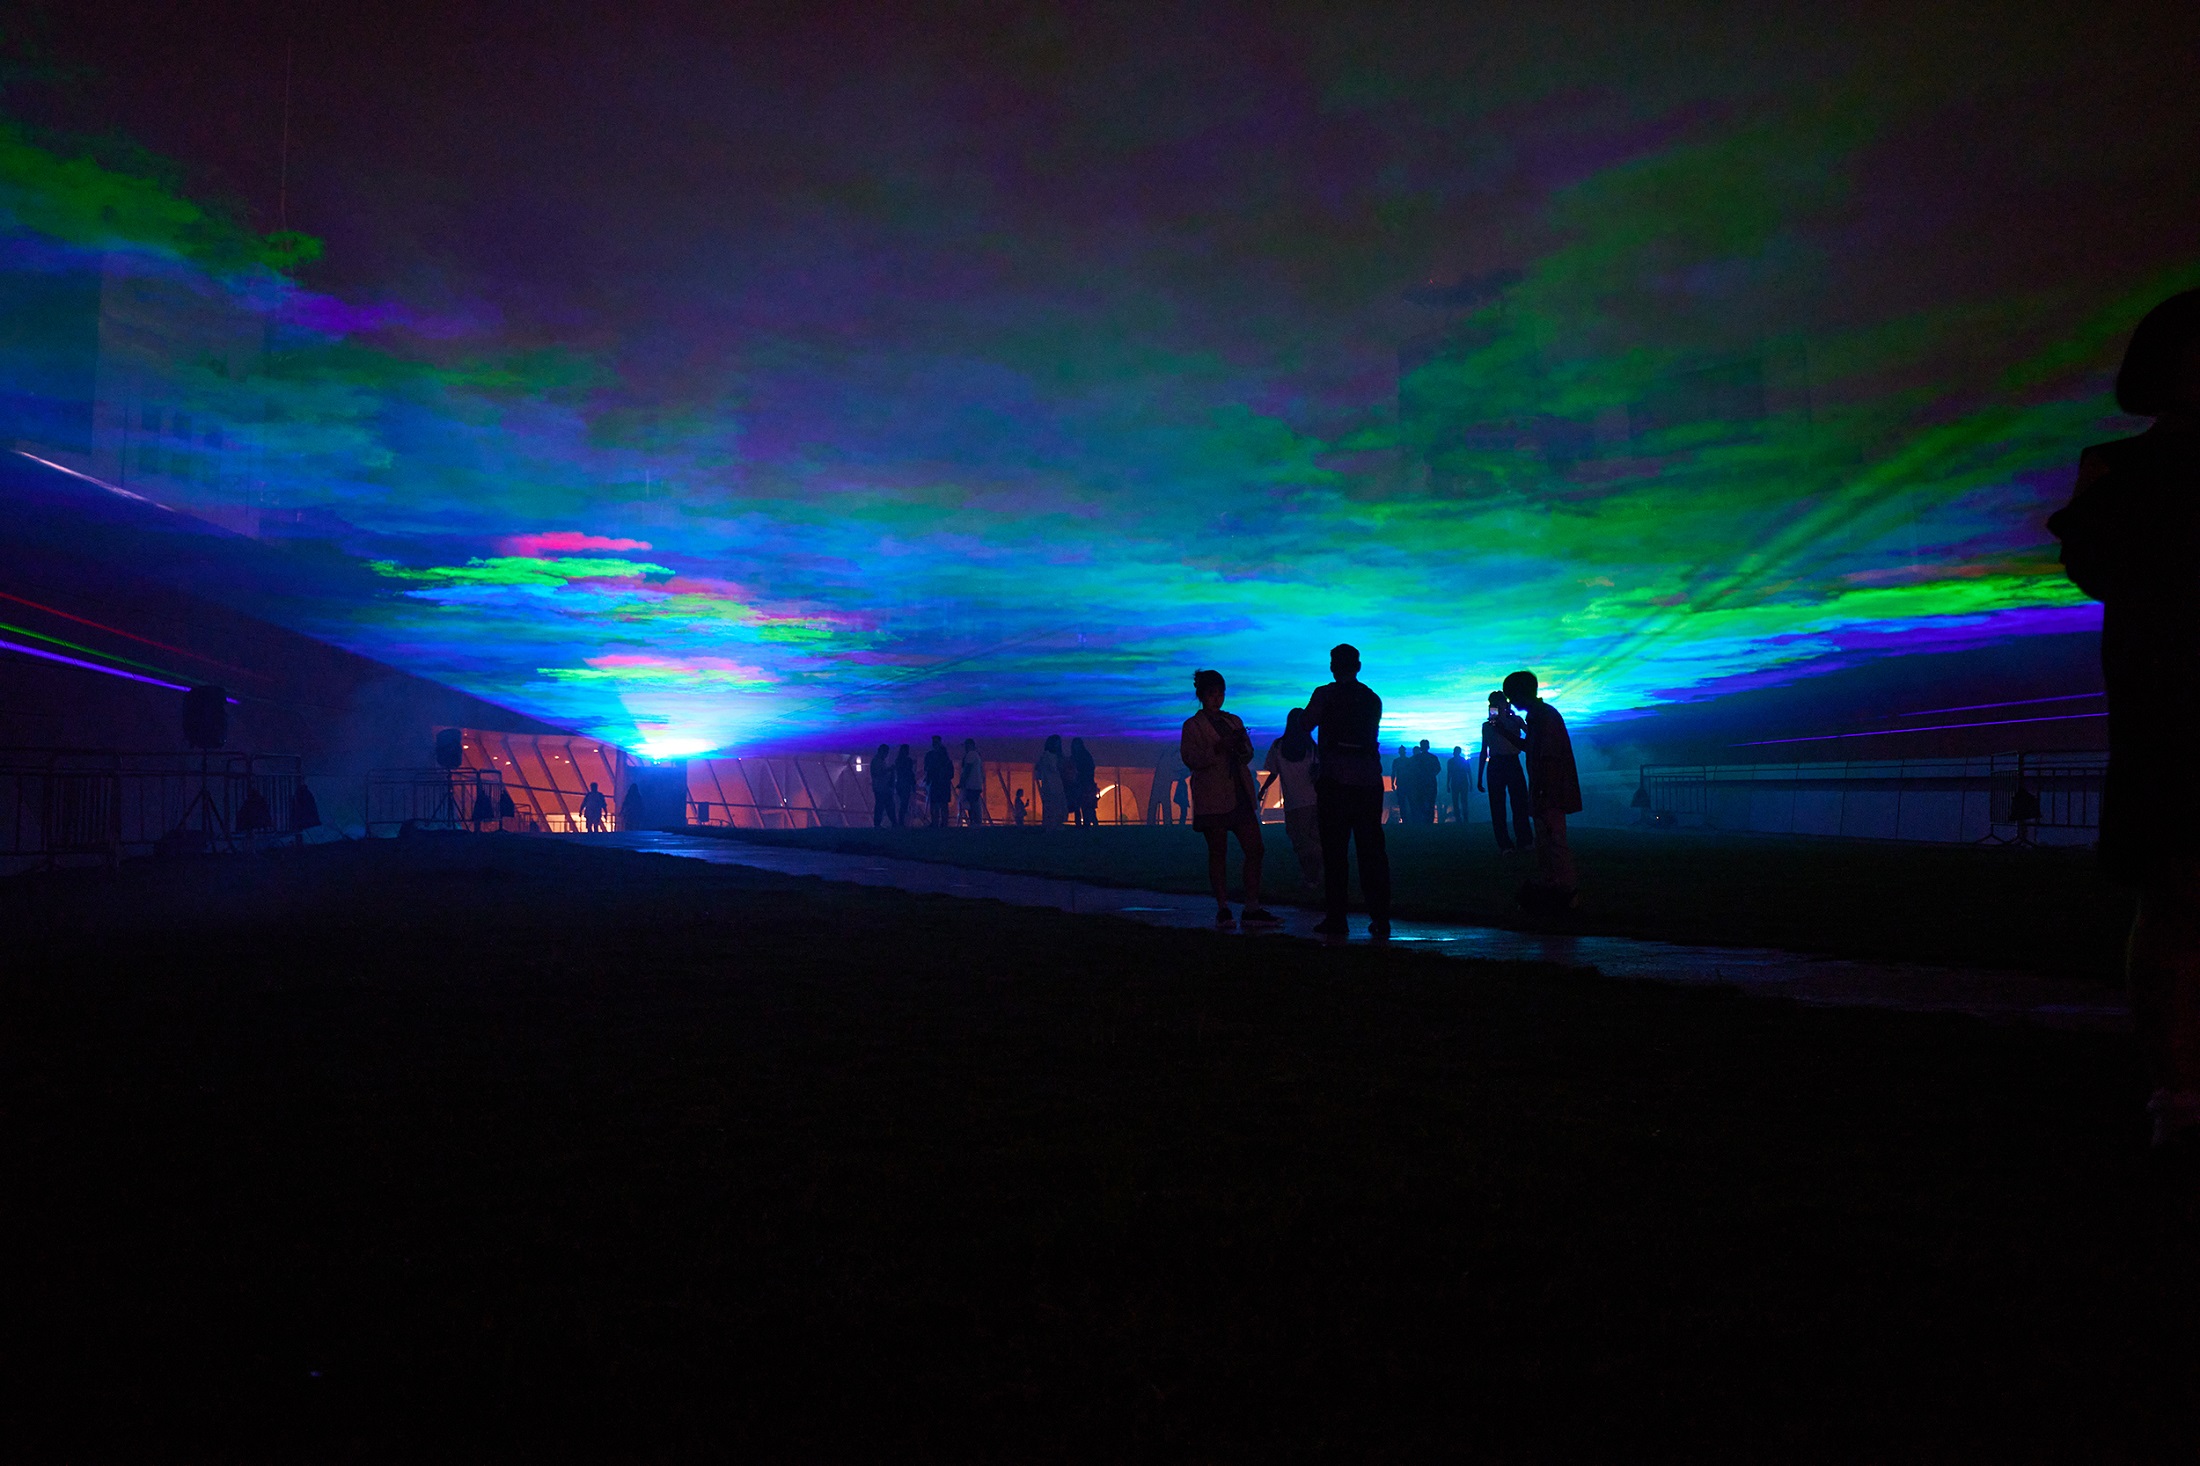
1379 929
1260 916
1332 927
1223 916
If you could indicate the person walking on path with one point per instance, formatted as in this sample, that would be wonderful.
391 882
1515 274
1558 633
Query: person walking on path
1554 792
1219 752
905 784
1348 792
882 788
972 785
1425 772
1051 774
1459 782
1290 760
1504 739
2131 540
939 784
1084 790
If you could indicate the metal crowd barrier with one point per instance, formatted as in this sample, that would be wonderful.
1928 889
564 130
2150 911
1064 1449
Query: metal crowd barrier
74 805
2012 798
449 799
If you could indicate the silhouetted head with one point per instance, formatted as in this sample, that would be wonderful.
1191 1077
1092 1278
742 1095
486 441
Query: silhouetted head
1456 750
884 753
2161 370
1297 740
1077 745
1520 689
1054 743
935 740
1497 702
594 790
1208 684
1424 745
904 753
970 745
1344 661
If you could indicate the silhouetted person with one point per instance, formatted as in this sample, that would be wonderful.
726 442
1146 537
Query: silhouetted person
592 806
1426 771
1018 810
1219 752
905 784
1180 795
1401 773
631 812
1348 790
971 784
2131 540
1051 773
253 814
1291 760
939 783
1084 783
305 810
882 788
1459 782
1554 792
485 807
1504 740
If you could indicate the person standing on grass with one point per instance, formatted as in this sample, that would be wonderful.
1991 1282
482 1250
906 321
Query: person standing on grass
1051 773
1348 792
1504 739
973 785
1219 752
1425 772
1291 760
2131 539
1458 782
1084 781
1554 792
905 785
939 784
882 788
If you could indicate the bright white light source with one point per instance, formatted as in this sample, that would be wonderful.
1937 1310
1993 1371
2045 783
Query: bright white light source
674 747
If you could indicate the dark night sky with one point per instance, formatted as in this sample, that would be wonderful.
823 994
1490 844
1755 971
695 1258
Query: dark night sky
957 322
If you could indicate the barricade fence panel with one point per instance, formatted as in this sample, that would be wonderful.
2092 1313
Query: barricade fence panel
2047 798
70 804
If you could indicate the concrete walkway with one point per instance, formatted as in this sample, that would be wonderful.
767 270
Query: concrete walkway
1825 980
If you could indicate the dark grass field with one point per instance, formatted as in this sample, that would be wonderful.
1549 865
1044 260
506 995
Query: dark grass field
467 1149
2036 910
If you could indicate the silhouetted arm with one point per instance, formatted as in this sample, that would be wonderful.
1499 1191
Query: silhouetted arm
2087 530
1198 752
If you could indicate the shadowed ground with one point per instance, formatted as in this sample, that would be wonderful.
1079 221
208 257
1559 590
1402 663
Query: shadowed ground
1910 901
459 1148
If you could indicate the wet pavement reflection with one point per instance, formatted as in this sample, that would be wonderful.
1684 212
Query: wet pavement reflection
1822 980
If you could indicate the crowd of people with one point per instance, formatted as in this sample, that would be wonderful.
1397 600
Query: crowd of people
1329 762
952 787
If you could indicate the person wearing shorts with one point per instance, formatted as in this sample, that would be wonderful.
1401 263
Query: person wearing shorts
1219 753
